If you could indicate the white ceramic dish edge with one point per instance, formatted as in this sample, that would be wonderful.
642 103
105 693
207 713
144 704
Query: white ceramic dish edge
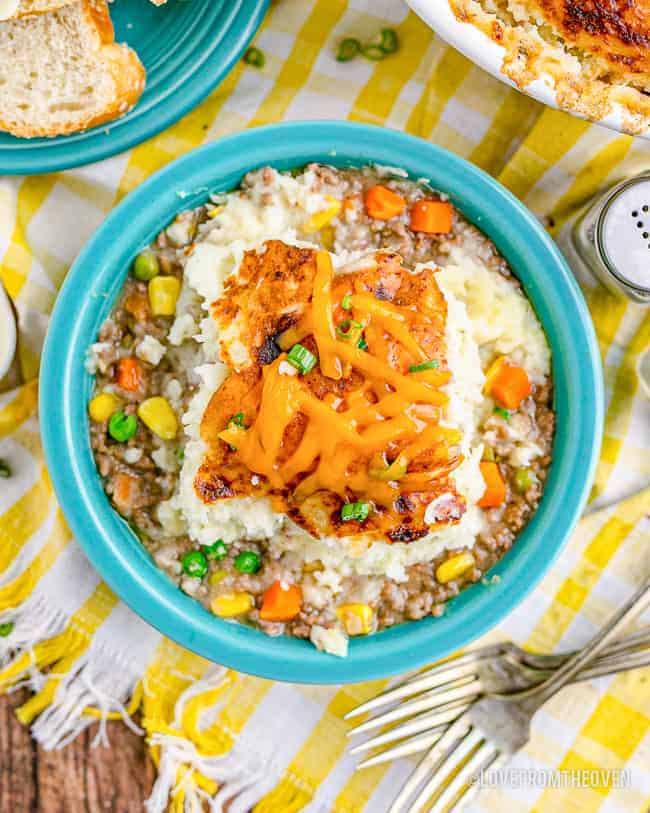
484 52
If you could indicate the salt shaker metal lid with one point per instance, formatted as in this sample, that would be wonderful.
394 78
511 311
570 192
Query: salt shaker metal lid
613 238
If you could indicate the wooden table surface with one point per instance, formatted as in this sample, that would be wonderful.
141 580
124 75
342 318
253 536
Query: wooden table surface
76 779
79 778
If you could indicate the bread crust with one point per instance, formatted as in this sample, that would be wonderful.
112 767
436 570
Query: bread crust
123 65
54 5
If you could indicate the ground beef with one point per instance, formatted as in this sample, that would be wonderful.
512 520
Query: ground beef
155 463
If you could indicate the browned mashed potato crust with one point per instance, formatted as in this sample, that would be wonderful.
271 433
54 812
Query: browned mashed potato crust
595 55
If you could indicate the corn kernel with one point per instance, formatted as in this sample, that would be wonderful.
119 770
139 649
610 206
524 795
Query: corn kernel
102 406
231 604
158 416
356 618
163 295
317 221
217 576
454 567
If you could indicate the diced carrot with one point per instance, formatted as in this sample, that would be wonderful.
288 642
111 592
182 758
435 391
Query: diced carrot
432 216
509 385
280 604
495 487
383 204
137 304
125 490
129 374
492 372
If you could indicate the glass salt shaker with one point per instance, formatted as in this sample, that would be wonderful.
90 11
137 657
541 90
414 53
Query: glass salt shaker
612 238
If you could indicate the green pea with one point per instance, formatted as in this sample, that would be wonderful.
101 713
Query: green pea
122 427
5 470
194 564
217 550
6 629
247 562
146 266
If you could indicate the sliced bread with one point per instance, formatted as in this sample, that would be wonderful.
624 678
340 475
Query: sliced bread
61 71
11 9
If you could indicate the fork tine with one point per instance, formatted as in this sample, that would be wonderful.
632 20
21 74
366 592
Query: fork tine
430 700
429 762
470 792
455 790
458 667
471 657
414 745
413 687
413 726
454 758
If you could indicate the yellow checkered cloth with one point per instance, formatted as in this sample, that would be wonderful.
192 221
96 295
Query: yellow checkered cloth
279 748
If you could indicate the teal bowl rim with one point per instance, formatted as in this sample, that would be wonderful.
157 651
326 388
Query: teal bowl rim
38 156
92 285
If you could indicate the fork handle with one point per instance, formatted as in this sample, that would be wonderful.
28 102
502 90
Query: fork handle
565 674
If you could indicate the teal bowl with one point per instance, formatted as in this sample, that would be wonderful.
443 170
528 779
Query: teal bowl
92 286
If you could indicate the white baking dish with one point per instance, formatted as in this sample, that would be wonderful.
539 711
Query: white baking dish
484 52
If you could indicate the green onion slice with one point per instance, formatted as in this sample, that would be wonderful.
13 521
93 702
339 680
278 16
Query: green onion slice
502 413
375 53
6 629
5 470
255 58
346 302
349 329
389 42
363 344
236 420
355 511
348 49
393 471
302 359
426 365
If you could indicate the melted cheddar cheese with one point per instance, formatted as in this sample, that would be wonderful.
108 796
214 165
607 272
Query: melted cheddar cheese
361 426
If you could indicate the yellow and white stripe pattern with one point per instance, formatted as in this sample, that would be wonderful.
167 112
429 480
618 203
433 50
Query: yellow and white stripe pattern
278 748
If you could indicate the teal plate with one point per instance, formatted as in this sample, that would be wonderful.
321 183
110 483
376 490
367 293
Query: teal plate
187 48
92 286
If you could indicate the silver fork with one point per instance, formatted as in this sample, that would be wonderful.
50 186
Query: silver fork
440 694
494 728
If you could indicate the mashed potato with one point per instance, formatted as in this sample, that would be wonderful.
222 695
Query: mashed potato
487 315
476 315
